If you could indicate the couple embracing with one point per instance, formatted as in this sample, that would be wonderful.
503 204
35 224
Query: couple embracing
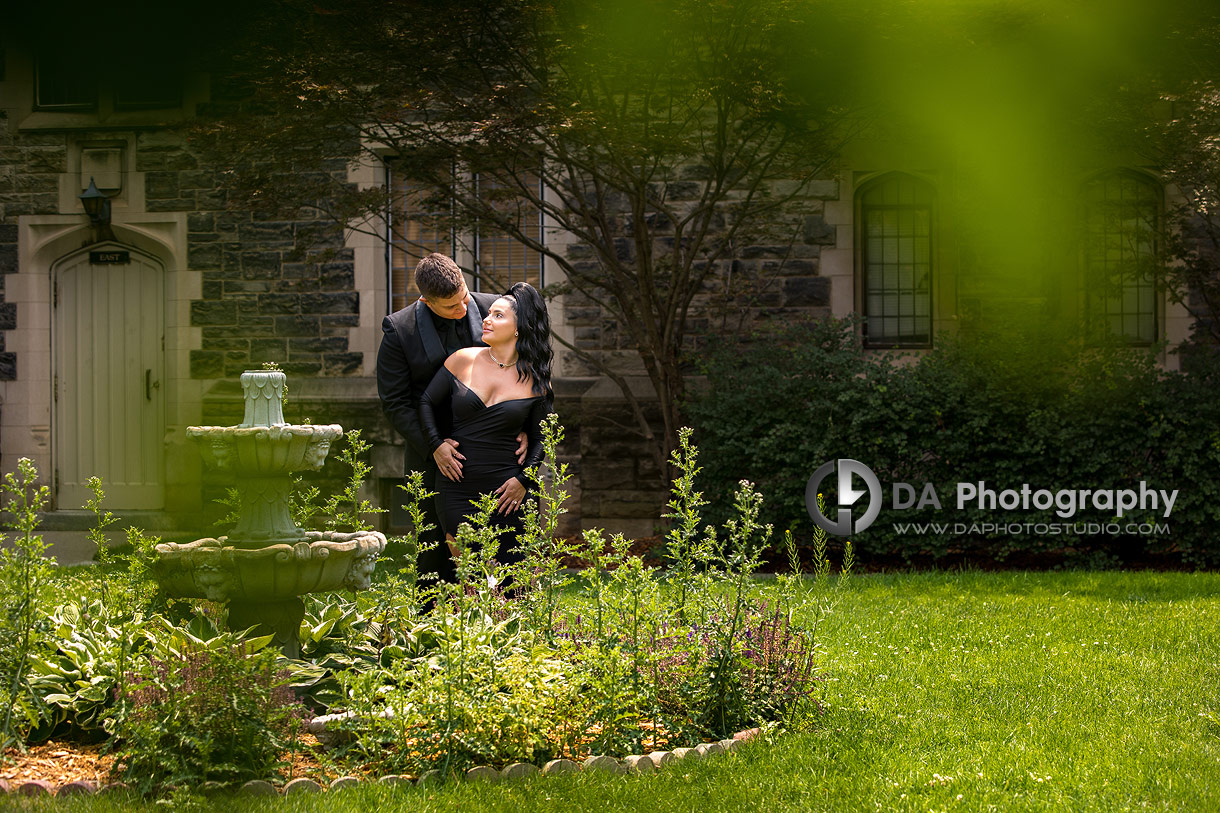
465 378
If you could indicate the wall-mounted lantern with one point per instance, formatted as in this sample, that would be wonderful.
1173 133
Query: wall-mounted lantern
97 205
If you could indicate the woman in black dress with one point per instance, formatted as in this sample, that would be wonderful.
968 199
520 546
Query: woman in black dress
492 394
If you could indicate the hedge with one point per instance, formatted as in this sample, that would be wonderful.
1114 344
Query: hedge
1001 412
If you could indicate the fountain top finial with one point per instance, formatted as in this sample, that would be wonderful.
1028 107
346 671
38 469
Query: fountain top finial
264 393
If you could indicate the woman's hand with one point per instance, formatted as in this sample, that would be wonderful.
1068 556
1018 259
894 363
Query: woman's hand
449 460
510 496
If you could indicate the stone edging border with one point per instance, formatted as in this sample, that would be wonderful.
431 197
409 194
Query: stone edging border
633 763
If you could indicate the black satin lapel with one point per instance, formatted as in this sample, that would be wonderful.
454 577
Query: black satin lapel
474 318
428 336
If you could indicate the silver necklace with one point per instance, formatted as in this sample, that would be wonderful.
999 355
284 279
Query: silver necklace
499 363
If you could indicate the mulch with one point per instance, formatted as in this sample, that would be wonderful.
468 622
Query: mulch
59 763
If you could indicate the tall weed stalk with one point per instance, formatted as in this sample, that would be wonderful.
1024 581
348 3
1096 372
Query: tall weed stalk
740 555
688 550
541 569
347 508
24 570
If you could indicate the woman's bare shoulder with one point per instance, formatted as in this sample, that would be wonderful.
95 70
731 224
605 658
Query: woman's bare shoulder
461 360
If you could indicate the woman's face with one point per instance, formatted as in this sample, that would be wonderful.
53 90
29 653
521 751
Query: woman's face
500 324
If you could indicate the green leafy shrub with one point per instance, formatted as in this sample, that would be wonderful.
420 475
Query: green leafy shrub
99 623
1050 416
77 673
220 712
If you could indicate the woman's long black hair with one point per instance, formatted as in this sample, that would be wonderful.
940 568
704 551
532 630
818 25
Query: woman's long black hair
534 353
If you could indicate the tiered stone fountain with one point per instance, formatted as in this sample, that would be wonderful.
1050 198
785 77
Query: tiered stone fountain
266 562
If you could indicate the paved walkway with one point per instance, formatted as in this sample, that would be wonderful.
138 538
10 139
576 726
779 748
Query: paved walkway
71 547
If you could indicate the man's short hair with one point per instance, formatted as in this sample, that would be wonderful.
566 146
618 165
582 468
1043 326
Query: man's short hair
438 277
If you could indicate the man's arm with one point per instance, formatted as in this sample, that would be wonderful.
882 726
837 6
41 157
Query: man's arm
399 401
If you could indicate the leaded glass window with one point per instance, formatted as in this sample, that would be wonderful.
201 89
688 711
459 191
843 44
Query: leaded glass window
499 260
502 260
1121 214
896 256
415 232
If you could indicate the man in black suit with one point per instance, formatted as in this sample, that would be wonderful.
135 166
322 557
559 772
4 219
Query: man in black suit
415 343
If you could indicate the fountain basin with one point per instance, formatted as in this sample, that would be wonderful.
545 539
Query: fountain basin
265 450
217 570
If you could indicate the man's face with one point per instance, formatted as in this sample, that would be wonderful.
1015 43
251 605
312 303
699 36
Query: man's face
452 307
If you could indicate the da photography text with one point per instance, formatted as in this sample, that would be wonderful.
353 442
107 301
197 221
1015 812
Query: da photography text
1065 502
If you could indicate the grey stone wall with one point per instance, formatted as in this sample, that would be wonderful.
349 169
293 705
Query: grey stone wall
261 299
8 311
29 167
774 277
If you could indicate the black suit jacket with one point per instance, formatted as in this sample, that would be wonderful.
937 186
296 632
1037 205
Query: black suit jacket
411 353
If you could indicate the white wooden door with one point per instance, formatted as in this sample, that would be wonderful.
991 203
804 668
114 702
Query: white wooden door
109 360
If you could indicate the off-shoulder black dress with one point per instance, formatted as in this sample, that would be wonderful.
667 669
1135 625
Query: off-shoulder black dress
487 437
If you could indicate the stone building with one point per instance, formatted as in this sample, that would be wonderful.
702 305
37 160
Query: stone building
118 332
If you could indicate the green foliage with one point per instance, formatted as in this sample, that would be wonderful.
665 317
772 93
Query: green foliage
482 694
1047 415
97 534
415 494
24 571
541 572
687 551
75 677
196 713
1187 156
515 663
232 502
98 621
346 509
619 660
129 589
302 502
399 565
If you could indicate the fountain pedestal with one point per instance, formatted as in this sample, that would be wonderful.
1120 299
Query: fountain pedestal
266 562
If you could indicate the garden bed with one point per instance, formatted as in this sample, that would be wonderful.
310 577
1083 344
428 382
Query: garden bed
515 664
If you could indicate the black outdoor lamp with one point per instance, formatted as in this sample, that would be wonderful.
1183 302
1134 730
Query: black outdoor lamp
97 205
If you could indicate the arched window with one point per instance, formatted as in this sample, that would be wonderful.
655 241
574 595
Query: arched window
1121 222
896 260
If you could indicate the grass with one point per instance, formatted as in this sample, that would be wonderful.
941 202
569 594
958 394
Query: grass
945 691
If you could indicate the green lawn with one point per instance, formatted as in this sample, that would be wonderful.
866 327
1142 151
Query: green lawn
946 691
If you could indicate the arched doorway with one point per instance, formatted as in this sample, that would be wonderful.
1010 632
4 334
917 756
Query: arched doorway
108 354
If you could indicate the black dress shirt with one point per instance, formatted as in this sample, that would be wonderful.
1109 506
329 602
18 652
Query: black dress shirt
454 333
